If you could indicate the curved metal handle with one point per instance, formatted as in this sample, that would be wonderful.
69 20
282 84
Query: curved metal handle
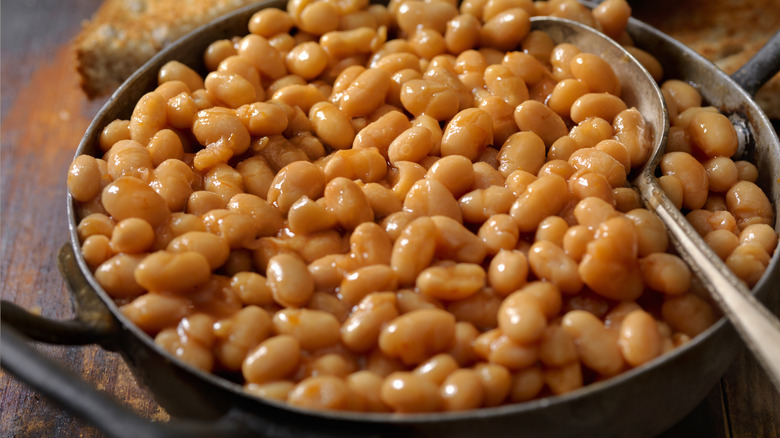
93 322
761 67
757 326
97 408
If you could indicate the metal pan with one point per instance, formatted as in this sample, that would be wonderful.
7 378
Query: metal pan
641 402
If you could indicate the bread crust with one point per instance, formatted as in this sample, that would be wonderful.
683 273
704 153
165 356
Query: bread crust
123 34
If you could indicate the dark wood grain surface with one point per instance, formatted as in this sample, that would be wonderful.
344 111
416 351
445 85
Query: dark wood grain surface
43 117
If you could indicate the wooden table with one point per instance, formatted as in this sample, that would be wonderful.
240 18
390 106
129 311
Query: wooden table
44 114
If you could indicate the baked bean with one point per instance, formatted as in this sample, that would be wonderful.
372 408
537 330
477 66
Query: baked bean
748 261
520 318
761 234
273 359
640 339
349 43
433 15
594 160
543 197
367 165
521 151
603 105
496 381
481 204
172 272
651 232
153 312
462 390
462 33
262 118
673 189
714 134
360 331
128 197
408 392
563 379
367 387
269 22
449 283
437 368
748 204
687 313
613 16
95 223
267 59
132 235
128 157
526 384
665 273
148 117
556 347
596 347
380 133
306 217
564 94
214 248
348 203
502 115
238 334
297 179
96 249
421 96
313 329
632 131
541 120
499 232
411 145
722 242
506 30
113 132
365 93
418 335
456 242
358 284
722 174
408 300
692 176
508 271
278 390
252 288
584 184
289 280
609 266
85 178
549 262
683 94
747 171
455 172
307 60
231 90
428 197
331 125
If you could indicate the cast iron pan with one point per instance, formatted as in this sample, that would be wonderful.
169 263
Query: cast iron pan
643 401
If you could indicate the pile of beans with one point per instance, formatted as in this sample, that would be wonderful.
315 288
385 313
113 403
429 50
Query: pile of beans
411 208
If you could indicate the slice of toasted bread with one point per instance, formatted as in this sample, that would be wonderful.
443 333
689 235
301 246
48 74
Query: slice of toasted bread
123 34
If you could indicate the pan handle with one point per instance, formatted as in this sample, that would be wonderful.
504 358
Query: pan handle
111 417
93 322
760 68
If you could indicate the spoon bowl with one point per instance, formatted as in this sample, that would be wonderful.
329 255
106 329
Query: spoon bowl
758 328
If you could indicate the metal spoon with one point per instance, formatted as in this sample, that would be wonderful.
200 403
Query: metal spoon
758 328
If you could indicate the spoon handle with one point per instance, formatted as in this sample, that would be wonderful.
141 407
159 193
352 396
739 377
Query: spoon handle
762 66
758 327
